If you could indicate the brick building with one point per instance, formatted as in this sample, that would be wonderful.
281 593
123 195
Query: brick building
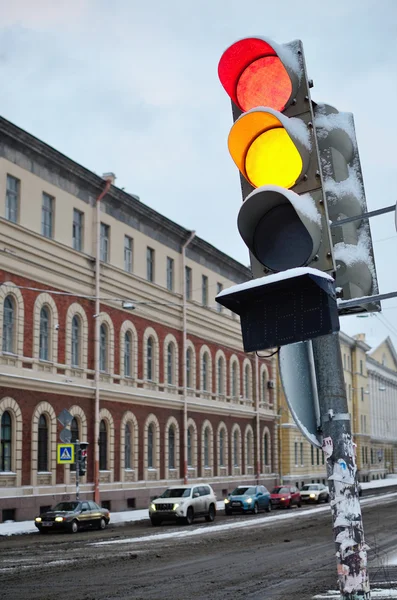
108 309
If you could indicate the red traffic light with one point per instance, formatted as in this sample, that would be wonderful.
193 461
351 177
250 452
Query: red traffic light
253 74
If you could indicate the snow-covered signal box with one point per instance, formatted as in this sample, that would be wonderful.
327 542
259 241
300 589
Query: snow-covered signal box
288 173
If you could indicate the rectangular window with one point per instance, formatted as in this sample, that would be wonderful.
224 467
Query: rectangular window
47 216
128 254
170 274
12 198
344 361
301 453
362 394
150 264
219 288
105 242
188 283
361 367
78 229
312 453
296 453
204 290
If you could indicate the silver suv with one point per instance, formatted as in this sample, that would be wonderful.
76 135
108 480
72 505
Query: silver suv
184 503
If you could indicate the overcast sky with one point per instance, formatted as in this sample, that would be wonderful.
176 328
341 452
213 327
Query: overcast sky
132 87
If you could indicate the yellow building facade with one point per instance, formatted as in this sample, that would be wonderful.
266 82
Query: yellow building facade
370 376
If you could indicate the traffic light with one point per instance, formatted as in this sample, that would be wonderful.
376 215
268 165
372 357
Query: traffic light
83 458
274 146
283 219
345 195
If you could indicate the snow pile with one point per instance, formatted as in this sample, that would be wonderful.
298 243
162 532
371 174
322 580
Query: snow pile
351 186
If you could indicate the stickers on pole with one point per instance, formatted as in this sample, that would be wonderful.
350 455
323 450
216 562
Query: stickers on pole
328 447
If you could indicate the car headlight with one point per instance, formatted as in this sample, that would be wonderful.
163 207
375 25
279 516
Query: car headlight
152 506
227 500
312 496
249 500
59 519
38 519
282 499
175 506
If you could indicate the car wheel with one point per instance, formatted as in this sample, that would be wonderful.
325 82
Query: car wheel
299 504
326 499
190 515
255 510
102 524
269 507
41 530
211 514
74 526
155 522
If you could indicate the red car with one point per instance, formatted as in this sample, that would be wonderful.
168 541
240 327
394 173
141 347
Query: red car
285 496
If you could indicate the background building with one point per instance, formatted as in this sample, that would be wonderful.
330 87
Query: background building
161 378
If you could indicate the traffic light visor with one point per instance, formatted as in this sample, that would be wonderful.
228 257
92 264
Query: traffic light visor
265 150
253 75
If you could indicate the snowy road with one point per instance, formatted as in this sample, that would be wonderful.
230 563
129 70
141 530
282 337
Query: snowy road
267 557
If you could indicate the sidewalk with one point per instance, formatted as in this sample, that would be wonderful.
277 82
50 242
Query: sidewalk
20 527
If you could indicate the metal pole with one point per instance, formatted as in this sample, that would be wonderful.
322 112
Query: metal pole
351 549
76 458
97 338
258 445
184 348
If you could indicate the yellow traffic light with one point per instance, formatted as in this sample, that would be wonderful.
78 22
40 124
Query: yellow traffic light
268 148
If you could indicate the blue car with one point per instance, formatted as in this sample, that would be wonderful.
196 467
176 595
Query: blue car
248 498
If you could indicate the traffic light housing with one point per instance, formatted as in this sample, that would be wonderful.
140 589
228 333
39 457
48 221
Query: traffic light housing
345 195
274 146
82 458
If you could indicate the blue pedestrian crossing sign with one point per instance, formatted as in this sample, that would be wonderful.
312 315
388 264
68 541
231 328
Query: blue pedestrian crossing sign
65 454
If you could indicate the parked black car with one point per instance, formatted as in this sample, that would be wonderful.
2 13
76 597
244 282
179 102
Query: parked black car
72 516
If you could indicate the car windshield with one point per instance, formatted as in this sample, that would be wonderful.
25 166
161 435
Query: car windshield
176 493
308 488
280 490
244 491
66 506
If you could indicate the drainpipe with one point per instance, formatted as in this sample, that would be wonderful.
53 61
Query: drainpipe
258 445
97 337
184 348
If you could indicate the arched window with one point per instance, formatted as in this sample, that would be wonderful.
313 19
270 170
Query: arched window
207 447
250 454
44 334
266 455
127 447
150 446
235 448
76 351
264 386
127 354
8 325
42 446
220 375
6 442
74 429
171 448
234 380
170 364
189 447
189 368
204 368
222 447
103 348
247 382
150 359
103 446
